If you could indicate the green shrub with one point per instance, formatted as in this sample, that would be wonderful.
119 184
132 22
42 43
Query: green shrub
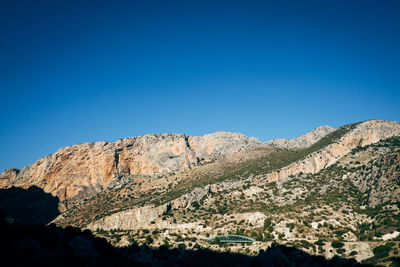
341 250
259 237
181 246
149 240
195 204
268 237
290 226
381 251
337 244
267 223
132 240
319 243
353 253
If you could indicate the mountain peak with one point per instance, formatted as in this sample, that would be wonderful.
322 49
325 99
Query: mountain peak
302 141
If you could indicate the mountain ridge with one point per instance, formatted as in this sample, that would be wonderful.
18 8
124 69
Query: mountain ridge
80 171
343 187
304 140
291 162
77 172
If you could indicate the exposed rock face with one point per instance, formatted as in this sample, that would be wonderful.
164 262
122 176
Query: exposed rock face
142 216
217 144
304 140
129 219
7 176
365 133
77 172
382 182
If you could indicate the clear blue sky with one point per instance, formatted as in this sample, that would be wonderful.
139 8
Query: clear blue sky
82 71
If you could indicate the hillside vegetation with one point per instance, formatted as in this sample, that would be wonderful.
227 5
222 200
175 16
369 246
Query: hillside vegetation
308 211
140 190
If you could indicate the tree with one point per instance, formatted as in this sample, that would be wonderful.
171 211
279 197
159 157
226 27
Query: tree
381 251
195 204
268 237
337 244
132 240
259 237
281 235
149 240
267 223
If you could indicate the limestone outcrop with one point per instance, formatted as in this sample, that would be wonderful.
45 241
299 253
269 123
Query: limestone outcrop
78 172
141 217
382 181
7 176
128 219
363 134
302 141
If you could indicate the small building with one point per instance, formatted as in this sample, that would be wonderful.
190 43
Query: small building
231 239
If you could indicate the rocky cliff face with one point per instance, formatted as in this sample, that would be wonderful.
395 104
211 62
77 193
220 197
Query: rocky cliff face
379 178
363 134
302 141
142 216
77 172
7 176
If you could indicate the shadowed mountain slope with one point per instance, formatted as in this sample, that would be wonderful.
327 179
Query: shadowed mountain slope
28 206
53 246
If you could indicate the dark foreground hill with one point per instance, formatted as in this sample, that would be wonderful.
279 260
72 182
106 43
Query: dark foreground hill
24 245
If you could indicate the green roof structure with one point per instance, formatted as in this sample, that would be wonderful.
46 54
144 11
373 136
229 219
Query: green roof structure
231 239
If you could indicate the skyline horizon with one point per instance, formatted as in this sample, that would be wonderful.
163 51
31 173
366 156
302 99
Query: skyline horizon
262 141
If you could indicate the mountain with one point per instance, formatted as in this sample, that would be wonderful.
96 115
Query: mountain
329 192
77 172
337 144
